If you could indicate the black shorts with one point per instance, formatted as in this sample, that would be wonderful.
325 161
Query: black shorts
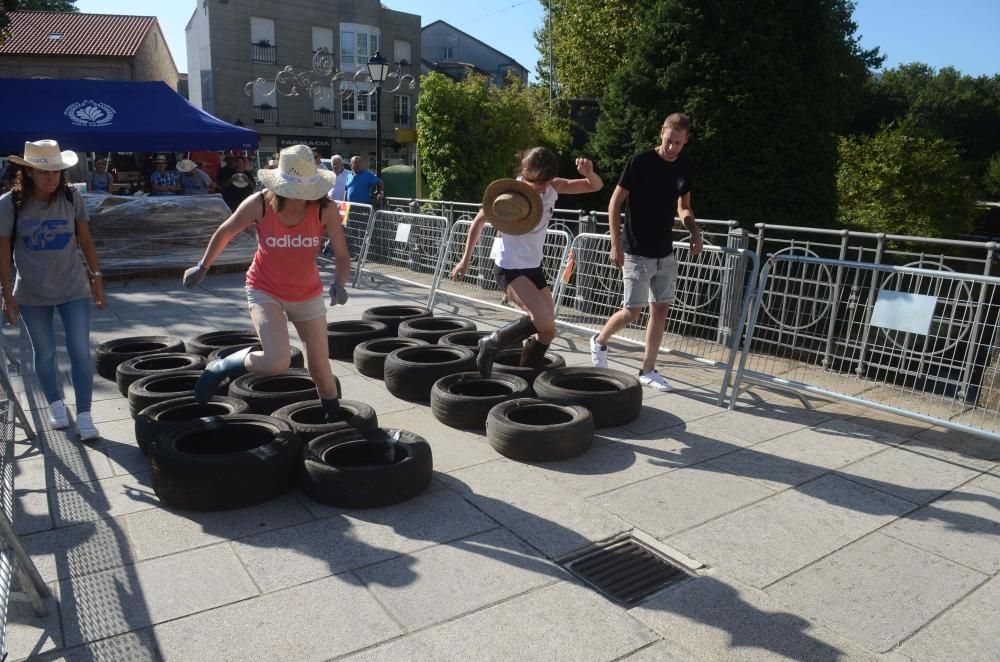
506 276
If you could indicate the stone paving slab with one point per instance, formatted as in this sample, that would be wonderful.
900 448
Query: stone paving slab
967 632
775 537
560 622
136 646
714 618
666 504
79 550
760 424
489 567
878 590
451 449
316 621
534 508
27 636
99 499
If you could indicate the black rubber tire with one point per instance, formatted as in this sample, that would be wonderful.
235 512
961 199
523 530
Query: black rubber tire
393 316
155 364
508 361
298 361
464 400
348 468
206 343
150 390
309 419
109 355
224 462
343 337
532 430
612 396
155 419
468 339
369 356
410 372
266 393
432 329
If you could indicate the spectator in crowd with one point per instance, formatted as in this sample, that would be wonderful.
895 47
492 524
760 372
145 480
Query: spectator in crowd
9 177
318 160
338 190
163 181
283 282
272 164
44 228
360 183
234 189
100 180
244 174
194 180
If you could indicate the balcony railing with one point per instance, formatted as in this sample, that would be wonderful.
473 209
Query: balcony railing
264 53
265 115
323 117
401 120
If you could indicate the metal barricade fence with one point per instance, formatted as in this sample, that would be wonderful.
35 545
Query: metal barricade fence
357 219
407 248
479 284
711 300
714 231
915 342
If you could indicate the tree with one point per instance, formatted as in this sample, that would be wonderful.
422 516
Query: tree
7 6
469 132
991 180
766 102
903 180
590 41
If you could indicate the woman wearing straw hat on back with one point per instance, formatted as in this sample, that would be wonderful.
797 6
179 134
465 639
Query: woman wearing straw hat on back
291 215
44 224
520 210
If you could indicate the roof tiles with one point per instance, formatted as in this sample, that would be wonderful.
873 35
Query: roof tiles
108 35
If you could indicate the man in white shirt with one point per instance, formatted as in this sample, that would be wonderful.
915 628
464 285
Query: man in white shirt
340 188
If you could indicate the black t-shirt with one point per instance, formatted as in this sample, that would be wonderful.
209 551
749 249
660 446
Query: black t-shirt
653 186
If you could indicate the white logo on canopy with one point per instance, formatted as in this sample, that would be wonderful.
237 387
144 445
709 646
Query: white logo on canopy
89 113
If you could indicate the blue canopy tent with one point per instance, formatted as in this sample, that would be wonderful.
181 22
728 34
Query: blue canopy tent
119 116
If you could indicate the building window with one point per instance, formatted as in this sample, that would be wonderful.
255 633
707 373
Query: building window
262 48
322 38
401 110
357 109
347 107
357 44
447 52
265 108
324 106
401 52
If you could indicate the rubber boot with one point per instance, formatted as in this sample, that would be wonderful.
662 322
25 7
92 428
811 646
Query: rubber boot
231 366
533 354
513 333
331 408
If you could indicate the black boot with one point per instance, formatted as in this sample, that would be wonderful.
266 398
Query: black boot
513 333
533 354
233 365
331 409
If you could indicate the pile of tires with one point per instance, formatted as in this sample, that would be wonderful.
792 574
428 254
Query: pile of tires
266 393
469 339
393 316
297 359
155 364
368 468
224 462
369 356
206 343
308 418
464 400
150 390
532 430
156 419
109 355
612 396
343 337
432 329
410 372
508 361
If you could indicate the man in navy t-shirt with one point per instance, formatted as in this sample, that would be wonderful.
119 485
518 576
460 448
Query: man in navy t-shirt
655 183
360 183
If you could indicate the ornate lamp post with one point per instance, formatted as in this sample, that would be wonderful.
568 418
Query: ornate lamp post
378 70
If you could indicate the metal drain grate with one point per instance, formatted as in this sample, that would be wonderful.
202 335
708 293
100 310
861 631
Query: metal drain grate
626 571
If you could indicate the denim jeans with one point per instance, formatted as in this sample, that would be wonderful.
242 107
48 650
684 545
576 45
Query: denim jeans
76 320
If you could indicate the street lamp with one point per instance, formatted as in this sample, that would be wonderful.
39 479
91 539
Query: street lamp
378 71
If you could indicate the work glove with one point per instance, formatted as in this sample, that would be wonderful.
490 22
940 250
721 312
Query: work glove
194 276
338 294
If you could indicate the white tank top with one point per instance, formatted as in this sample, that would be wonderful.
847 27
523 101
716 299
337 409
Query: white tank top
524 251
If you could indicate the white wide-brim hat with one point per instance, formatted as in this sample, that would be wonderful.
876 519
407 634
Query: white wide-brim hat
297 176
186 165
239 180
45 155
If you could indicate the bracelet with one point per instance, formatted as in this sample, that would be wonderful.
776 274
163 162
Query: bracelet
96 274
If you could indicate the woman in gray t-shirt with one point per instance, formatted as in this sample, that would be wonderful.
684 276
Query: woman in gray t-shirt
44 227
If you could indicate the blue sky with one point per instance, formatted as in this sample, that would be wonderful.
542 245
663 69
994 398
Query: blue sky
960 33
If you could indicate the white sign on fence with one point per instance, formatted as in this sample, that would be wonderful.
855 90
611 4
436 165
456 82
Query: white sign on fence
403 232
903 311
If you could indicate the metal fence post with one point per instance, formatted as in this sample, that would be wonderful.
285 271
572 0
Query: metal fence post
732 286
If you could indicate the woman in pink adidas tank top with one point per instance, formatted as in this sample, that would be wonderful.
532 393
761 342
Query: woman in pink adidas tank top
292 216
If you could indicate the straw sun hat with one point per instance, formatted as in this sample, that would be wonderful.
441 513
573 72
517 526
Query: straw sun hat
44 155
297 176
512 206
186 165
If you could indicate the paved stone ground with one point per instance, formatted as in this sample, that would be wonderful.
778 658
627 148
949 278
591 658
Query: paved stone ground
820 534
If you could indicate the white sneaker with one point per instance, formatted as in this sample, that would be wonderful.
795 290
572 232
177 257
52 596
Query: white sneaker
598 354
85 427
57 415
655 380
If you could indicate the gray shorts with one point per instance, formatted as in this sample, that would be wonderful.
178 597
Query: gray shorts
297 311
649 279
